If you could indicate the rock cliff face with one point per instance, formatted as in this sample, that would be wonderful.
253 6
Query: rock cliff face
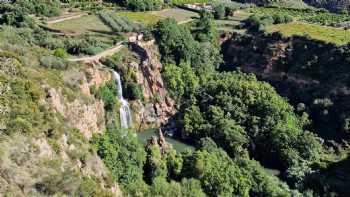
87 114
161 106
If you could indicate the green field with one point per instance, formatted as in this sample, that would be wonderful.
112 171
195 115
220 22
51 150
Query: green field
85 24
141 17
304 15
180 15
327 34
230 24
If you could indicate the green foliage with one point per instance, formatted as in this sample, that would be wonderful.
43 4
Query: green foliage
135 91
117 23
53 62
144 5
181 2
14 16
122 154
108 93
219 176
257 23
219 11
54 145
224 9
175 43
319 17
56 183
155 165
60 52
90 187
206 28
239 113
180 80
86 45
40 7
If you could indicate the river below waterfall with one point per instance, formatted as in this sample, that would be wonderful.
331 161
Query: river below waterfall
177 145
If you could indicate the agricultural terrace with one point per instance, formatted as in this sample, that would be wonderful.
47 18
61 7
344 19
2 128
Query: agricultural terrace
152 17
82 25
328 34
231 23
313 16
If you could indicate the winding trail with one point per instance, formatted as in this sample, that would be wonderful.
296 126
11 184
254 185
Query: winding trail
66 18
97 57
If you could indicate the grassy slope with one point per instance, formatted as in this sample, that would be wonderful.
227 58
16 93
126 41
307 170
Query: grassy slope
82 25
328 34
141 17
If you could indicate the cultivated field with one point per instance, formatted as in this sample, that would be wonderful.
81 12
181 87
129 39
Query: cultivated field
141 17
230 24
85 24
180 15
327 34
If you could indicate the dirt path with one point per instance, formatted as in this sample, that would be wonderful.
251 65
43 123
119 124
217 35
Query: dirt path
184 22
66 18
97 57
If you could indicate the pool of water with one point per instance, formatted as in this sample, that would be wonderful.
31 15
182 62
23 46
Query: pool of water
272 171
177 145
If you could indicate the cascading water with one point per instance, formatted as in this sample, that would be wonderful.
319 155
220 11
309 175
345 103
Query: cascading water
125 113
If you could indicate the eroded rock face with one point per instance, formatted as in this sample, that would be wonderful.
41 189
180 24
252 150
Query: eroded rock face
149 77
87 116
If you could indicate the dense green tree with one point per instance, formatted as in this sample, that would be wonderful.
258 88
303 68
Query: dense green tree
239 113
219 11
218 174
122 154
141 5
175 43
181 80
155 165
206 28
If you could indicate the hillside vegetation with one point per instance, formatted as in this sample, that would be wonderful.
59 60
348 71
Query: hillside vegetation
264 113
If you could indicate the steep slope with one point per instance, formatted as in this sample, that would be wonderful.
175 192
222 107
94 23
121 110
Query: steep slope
47 116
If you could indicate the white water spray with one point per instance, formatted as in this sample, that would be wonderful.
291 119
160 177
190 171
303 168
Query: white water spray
125 113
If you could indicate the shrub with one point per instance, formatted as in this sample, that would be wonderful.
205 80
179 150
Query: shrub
108 93
135 91
219 11
144 5
60 52
53 62
281 18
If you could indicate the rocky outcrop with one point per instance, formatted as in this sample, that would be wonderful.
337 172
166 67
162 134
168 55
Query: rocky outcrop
87 114
149 77
160 142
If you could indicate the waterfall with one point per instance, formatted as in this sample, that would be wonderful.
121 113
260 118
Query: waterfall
125 113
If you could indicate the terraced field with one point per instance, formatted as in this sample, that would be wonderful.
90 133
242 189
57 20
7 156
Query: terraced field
85 24
180 15
328 34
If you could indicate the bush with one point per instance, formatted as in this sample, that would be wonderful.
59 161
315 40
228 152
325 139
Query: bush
108 93
135 91
41 7
219 11
60 52
281 18
53 62
256 23
144 5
